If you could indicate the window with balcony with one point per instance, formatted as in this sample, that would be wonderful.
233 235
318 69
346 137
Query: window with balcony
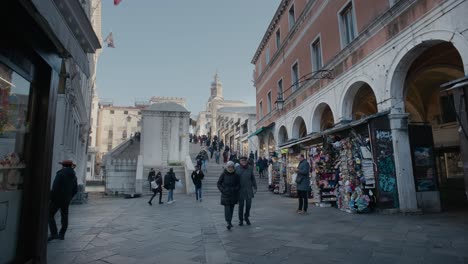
347 28
316 50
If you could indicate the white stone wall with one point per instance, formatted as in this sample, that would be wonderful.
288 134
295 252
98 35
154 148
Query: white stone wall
120 176
164 138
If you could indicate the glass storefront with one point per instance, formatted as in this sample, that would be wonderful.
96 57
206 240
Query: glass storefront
14 128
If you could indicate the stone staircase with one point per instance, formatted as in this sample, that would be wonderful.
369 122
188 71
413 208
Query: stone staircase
210 181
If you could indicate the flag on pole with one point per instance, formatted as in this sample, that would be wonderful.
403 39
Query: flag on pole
110 41
117 2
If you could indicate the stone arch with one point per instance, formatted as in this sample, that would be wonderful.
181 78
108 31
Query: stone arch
321 117
282 135
411 50
359 101
299 128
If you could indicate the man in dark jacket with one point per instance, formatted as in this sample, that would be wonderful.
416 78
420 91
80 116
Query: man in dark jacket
197 177
64 188
169 184
303 184
248 187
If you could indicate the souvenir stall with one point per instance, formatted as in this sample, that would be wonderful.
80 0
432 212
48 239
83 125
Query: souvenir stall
346 173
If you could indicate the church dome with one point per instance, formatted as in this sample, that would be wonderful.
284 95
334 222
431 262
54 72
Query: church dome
166 107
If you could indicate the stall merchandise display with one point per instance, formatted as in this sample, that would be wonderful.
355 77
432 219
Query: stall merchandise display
323 174
276 176
354 173
293 162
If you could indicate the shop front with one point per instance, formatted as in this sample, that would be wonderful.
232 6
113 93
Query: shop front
30 66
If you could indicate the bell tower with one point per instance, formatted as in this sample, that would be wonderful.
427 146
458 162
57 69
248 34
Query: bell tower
216 88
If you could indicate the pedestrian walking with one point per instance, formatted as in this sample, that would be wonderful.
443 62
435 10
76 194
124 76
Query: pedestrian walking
169 184
211 150
248 187
225 157
197 177
151 176
64 188
217 156
303 184
228 185
260 167
221 145
204 156
156 187
251 155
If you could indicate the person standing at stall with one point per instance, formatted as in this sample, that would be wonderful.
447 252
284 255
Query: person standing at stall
303 184
248 187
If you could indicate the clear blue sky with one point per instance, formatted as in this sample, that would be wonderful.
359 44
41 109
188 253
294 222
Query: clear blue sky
173 48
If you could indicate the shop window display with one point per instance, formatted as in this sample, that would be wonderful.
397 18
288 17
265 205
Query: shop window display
14 100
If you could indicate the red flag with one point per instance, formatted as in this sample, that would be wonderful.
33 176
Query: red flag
110 41
117 2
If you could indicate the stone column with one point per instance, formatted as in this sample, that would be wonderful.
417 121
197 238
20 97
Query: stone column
461 107
403 164
139 175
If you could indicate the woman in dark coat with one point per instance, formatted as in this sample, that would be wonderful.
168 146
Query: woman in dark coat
157 183
228 185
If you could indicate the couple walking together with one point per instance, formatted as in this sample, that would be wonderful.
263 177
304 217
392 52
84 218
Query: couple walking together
237 185
156 184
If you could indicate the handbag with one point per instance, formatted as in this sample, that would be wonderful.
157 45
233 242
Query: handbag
154 185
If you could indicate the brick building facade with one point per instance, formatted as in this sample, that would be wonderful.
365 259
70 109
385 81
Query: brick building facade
385 57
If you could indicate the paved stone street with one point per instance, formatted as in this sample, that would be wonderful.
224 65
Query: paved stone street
117 230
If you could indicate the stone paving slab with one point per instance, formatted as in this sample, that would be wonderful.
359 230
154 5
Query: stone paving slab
115 230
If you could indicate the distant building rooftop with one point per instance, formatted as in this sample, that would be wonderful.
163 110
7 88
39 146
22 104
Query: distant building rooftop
238 109
166 107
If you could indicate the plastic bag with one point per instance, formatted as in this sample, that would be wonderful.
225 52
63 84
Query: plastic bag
293 178
179 185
